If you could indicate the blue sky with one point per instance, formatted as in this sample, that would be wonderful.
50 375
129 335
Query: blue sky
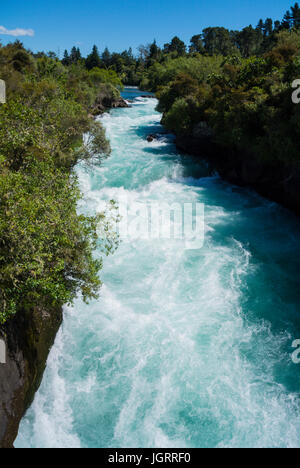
118 24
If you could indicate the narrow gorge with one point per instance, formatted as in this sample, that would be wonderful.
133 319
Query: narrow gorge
184 348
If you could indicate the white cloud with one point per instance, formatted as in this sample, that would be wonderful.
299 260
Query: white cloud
16 32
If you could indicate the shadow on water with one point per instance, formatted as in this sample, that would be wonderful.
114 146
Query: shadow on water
145 130
166 152
133 93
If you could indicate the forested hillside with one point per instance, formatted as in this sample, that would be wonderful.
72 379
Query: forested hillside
238 84
45 246
231 86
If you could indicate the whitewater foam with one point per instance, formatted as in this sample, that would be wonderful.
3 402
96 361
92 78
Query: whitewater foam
183 348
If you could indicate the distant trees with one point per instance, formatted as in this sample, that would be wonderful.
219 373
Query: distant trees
66 59
93 60
217 41
154 51
106 57
291 18
268 27
295 15
196 44
74 57
249 41
176 45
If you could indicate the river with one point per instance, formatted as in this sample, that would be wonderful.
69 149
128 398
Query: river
185 347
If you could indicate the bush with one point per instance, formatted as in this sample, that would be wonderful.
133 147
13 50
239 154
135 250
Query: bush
178 118
46 248
98 76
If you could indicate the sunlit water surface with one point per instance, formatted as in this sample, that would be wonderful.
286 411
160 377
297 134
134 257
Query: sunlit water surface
184 348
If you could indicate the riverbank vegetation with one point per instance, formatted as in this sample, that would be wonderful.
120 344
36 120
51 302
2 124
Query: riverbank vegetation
237 84
234 86
45 246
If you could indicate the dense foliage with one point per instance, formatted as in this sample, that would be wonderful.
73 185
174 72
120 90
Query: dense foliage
237 85
45 246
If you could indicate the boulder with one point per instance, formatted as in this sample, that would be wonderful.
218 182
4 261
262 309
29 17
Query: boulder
151 138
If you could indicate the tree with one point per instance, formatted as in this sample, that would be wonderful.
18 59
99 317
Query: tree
75 55
66 59
260 26
277 25
218 41
93 60
130 54
144 52
176 45
249 41
52 55
46 247
196 44
154 50
268 27
287 21
106 57
295 15
154 54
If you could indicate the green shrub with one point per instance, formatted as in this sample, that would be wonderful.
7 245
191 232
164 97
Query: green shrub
46 248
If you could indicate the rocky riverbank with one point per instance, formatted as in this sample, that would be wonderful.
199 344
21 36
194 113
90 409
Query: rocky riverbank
276 181
30 334
28 337
108 98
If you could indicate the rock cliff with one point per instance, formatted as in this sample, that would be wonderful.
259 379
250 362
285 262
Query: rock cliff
28 337
275 180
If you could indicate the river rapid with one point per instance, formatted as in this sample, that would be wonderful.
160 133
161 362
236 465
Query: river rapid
185 347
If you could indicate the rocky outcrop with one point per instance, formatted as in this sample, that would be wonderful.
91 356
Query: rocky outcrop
277 181
103 103
28 337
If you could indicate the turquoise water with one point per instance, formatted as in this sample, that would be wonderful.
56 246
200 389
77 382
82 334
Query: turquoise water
185 348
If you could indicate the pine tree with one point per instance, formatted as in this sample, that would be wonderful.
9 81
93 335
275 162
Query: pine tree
130 53
277 25
78 54
73 55
93 60
260 25
295 15
66 59
268 27
106 57
287 21
153 50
